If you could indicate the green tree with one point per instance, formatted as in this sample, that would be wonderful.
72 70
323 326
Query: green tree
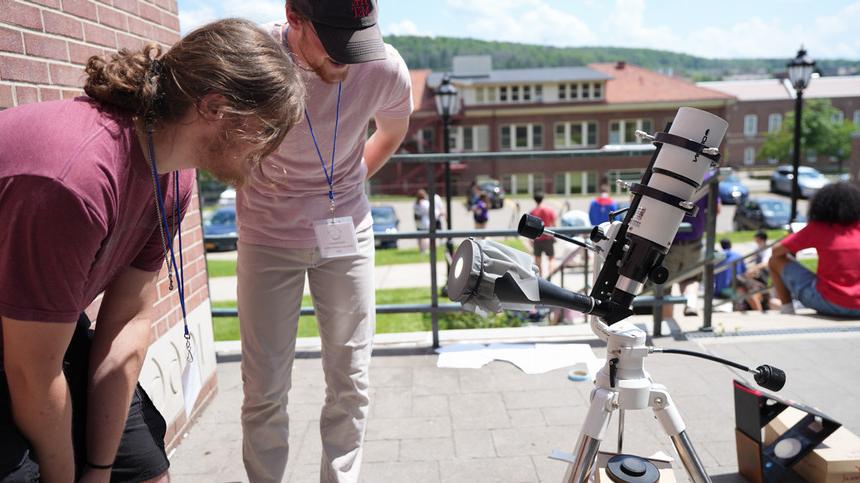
820 134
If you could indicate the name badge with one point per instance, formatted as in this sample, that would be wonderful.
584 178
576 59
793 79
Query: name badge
336 237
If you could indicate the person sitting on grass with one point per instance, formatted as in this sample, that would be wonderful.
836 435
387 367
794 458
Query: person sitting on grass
834 231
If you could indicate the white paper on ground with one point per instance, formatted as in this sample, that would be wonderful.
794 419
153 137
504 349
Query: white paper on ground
530 358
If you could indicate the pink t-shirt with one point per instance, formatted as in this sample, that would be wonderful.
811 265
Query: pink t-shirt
77 207
280 203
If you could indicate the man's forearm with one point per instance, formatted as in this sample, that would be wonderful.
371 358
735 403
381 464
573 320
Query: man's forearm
42 410
115 362
377 151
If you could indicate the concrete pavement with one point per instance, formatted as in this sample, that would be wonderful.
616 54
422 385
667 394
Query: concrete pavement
498 424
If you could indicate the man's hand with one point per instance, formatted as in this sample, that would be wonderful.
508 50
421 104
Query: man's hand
41 406
384 142
118 351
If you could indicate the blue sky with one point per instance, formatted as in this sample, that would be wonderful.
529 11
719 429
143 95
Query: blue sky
717 28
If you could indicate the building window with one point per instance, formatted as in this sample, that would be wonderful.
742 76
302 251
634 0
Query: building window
503 94
749 156
562 91
515 93
574 91
575 134
624 131
750 125
521 136
857 120
539 93
838 117
479 95
426 139
586 91
491 94
774 122
527 93
597 90
812 156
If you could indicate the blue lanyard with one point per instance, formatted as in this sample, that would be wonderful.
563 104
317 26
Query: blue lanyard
180 269
329 174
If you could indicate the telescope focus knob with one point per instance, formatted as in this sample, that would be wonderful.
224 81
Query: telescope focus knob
530 226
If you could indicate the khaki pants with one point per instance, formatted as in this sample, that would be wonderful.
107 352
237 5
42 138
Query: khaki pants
271 282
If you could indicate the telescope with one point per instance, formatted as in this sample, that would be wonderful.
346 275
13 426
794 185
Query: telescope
486 276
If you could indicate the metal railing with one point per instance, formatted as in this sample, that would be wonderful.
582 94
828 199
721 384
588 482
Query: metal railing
431 161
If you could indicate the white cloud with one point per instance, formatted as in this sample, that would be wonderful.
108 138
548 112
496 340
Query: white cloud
530 21
191 18
261 11
626 27
403 27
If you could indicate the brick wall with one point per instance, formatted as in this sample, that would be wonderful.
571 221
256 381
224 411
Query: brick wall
44 45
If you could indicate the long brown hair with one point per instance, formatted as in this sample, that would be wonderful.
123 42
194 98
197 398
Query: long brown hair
231 57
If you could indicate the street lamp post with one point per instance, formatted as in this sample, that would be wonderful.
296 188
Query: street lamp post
799 73
447 105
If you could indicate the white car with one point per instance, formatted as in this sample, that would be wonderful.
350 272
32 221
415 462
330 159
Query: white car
809 180
227 198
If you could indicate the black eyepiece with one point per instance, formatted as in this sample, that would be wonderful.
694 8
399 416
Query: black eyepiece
770 377
530 226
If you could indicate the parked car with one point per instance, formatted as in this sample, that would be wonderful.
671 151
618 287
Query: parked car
219 231
495 191
758 213
227 197
810 180
384 221
732 190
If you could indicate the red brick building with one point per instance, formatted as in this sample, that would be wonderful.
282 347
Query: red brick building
762 106
544 110
44 45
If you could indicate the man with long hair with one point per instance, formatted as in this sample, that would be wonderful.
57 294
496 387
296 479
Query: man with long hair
834 231
87 187
310 218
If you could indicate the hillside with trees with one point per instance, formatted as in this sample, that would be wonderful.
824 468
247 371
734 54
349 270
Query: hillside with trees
436 53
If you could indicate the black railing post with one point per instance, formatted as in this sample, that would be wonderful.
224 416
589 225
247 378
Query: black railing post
434 289
710 239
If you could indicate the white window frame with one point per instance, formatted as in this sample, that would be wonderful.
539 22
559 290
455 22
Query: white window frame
749 156
479 95
774 122
512 132
838 117
857 120
597 90
751 125
480 138
622 124
568 126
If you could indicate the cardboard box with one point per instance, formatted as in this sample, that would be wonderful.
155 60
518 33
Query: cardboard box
836 460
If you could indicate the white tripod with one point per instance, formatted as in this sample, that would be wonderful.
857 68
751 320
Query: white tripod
623 384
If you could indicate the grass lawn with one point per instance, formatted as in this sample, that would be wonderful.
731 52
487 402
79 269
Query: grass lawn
227 268
227 328
749 235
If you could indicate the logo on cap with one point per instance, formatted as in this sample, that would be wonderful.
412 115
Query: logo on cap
360 8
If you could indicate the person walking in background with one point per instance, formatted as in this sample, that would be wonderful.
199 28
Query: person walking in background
834 231
601 207
441 213
481 211
421 214
544 244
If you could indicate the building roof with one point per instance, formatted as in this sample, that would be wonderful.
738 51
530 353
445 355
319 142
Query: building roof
776 89
634 84
537 75
420 98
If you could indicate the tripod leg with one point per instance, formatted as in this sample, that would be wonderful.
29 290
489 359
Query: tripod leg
592 433
669 417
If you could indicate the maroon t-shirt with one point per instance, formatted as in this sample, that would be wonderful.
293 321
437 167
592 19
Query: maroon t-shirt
77 206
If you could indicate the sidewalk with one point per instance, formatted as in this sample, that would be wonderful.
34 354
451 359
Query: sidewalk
497 424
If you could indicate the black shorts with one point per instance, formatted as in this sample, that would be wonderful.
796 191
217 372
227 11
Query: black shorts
141 454
544 246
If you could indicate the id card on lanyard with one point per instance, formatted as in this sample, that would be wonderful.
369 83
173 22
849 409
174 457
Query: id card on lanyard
335 236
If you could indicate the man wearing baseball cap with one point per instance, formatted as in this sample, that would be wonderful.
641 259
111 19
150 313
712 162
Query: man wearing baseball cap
305 214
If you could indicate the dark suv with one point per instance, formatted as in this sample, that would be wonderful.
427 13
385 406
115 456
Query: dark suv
494 191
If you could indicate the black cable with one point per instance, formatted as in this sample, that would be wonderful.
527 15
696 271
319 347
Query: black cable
704 356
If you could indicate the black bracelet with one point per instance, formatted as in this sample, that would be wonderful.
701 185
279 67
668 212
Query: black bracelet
99 467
